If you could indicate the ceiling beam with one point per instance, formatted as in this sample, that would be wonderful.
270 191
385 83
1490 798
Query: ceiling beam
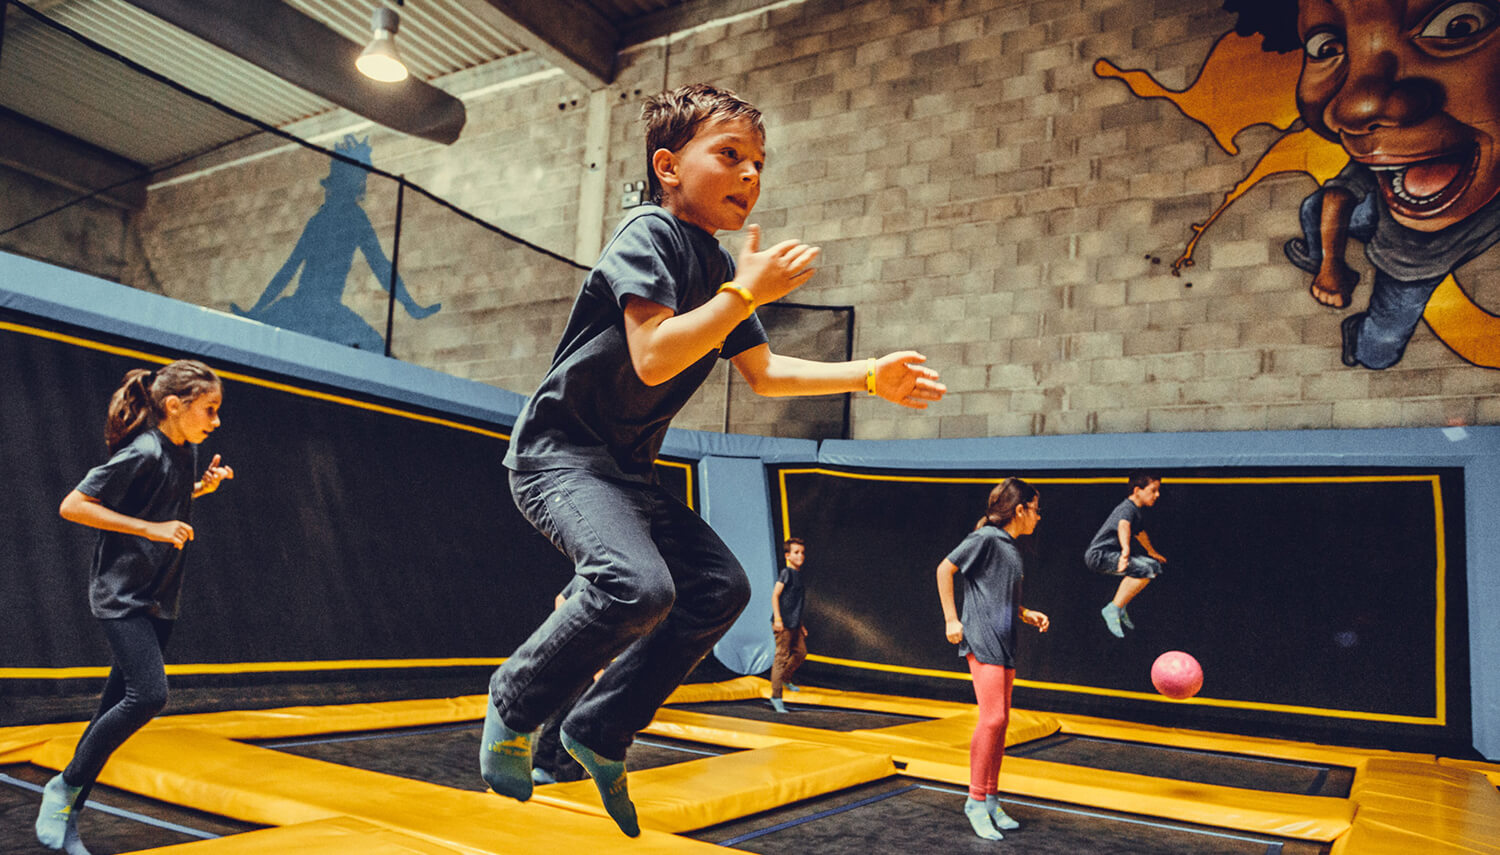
570 34
683 16
311 55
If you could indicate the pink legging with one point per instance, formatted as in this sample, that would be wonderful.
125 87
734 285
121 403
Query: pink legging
992 685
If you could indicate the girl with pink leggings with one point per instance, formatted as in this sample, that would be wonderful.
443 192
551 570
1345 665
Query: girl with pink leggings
990 567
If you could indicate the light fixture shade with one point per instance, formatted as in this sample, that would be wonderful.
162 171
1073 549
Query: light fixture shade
380 61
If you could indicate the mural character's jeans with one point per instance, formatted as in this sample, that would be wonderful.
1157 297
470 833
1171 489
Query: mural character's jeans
663 589
1362 221
1384 328
1376 337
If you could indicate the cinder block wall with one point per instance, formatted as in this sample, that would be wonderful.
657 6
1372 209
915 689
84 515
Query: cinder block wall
979 194
39 219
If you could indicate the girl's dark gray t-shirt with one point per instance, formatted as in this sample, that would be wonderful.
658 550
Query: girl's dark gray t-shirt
990 572
149 478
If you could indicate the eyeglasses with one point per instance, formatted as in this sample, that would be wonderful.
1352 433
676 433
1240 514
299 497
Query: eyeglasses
1036 509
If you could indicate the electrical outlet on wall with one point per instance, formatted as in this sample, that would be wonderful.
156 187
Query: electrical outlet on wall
635 194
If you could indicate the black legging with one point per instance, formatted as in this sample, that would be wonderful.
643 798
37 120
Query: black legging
135 692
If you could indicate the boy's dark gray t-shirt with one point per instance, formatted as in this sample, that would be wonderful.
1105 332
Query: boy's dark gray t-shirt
1107 539
793 595
990 570
592 411
148 478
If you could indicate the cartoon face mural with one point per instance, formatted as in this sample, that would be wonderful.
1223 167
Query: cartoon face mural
1400 106
325 253
1408 106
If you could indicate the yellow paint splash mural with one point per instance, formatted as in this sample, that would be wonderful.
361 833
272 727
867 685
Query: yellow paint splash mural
1393 108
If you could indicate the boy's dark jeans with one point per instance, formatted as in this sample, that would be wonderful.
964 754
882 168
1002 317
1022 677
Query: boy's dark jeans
1108 562
663 589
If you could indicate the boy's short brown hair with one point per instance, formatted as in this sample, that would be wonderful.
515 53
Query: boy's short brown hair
672 118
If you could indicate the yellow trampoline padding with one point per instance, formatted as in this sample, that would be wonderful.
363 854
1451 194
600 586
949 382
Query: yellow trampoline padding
1406 807
745 688
750 733
339 718
739 689
18 744
727 731
324 837
1284 815
1489 770
876 703
269 787
1400 804
699 793
955 731
1251 746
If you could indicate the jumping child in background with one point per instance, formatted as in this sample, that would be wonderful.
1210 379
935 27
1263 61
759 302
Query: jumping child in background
663 304
992 569
787 599
141 502
1109 552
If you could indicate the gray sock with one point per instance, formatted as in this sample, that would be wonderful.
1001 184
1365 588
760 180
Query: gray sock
609 777
505 757
56 813
979 820
998 816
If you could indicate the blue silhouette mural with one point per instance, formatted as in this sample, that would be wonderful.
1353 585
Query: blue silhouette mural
324 253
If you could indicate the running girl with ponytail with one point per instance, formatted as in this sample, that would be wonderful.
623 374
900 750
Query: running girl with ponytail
141 502
991 567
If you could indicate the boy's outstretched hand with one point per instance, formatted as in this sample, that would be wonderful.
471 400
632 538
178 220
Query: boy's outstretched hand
773 273
901 379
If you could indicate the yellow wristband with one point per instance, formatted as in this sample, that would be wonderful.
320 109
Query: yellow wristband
870 375
743 292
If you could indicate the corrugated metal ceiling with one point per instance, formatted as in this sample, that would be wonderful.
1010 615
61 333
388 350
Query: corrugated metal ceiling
63 84
59 81
437 37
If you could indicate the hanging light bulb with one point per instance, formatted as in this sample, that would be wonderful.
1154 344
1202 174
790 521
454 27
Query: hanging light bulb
380 60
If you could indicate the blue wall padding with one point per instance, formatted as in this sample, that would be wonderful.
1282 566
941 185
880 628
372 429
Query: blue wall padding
1383 447
88 302
85 301
696 444
1482 518
737 505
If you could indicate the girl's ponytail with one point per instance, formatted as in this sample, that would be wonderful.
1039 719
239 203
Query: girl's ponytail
137 404
130 408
